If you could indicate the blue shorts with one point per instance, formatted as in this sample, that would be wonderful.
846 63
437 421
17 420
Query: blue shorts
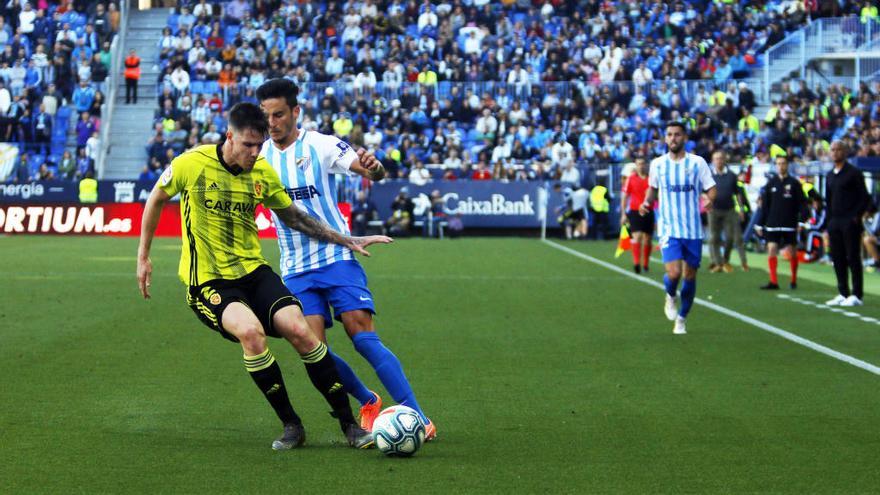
689 250
342 285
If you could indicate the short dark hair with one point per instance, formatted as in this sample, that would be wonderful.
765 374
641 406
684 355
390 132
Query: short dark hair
678 124
248 116
279 88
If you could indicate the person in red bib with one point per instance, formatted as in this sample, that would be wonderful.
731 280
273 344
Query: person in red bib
641 227
132 75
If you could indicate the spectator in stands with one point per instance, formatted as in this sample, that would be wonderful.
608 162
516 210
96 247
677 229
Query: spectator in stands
83 164
114 16
45 173
11 119
147 174
419 175
67 166
212 136
42 131
22 172
481 172
180 80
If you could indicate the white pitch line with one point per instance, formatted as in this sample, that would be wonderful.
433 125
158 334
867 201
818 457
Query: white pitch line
846 358
851 314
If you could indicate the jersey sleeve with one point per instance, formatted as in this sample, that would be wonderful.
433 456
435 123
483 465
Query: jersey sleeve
276 195
339 155
706 180
173 180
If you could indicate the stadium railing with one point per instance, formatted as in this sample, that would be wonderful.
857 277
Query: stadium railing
315 91
822 37
113 80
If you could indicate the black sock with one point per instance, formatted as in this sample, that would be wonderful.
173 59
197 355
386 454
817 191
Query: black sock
322 371
267 375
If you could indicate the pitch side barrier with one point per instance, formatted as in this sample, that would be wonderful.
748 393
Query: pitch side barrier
480 204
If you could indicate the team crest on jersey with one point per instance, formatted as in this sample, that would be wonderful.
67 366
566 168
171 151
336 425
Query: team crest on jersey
258 189
303 163
215 299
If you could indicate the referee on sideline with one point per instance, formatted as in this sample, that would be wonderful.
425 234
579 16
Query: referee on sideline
847 201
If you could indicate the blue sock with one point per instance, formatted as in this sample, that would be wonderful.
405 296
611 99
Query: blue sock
688 291
388 369
353 385
671 285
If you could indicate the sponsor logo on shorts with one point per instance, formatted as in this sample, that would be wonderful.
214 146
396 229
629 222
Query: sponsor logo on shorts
364 298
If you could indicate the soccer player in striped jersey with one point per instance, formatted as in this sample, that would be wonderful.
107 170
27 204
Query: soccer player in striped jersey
232 289
679 179
320 274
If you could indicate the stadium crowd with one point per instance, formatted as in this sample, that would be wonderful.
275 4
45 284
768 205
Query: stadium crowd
54 59
514 90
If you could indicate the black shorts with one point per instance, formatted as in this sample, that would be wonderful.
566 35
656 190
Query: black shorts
783 238
261 290
577 215
639 223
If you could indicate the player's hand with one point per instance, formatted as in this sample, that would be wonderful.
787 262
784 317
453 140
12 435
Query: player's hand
145 275
644 208
742 216
623 219
759 231
357 244
368 159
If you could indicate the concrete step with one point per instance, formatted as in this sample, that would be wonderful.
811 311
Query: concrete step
132 124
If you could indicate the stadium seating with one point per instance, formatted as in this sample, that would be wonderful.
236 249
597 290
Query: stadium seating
22 130
566 90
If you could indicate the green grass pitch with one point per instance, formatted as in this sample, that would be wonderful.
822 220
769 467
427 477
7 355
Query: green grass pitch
543 372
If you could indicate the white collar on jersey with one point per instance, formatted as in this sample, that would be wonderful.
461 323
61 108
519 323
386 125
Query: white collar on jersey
300 135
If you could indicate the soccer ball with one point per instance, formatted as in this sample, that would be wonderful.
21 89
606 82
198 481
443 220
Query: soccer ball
398 431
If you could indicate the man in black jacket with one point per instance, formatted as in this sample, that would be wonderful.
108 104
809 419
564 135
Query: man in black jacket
783 205
847 200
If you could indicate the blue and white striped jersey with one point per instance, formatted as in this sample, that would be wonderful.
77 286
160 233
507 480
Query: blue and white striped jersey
308 169
679 185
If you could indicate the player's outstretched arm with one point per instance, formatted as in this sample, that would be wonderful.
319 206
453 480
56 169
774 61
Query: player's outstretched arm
368 166
149 222
299 220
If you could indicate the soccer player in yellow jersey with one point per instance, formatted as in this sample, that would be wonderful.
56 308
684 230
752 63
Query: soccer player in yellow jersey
232 289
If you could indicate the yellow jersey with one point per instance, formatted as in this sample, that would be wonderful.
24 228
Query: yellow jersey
217 207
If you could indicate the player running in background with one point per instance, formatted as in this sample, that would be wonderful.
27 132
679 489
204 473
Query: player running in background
783 205
678 178
232 289
320 274
641 227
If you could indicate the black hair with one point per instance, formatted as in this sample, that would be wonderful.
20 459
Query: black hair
248 116
678 124
279 88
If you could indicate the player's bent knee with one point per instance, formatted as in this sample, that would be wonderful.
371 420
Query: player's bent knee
292 326
251 336
357 321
